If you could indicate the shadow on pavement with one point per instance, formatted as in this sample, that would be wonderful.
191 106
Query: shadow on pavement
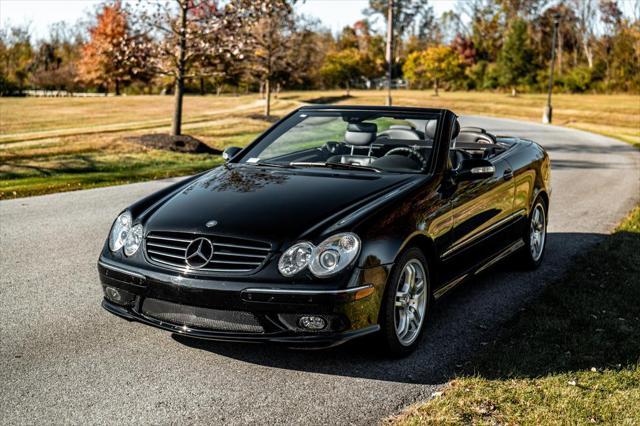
461 323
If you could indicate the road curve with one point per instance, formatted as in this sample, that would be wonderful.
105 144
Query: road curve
64 359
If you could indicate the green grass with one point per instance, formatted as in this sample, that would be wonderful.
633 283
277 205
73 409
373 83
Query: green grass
82 171
572 357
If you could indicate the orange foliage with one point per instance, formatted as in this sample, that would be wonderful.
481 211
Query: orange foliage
104 57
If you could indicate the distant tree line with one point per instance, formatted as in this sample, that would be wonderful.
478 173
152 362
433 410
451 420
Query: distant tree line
205 46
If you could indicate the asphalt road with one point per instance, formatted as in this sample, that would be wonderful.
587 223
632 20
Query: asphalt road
64 359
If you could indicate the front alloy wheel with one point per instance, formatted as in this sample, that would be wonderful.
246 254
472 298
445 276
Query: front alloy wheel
406 303
411 302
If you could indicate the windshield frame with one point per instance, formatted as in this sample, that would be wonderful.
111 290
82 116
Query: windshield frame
362 113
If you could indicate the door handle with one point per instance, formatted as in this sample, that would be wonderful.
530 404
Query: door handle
508 174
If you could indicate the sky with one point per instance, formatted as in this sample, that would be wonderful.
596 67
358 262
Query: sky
333 14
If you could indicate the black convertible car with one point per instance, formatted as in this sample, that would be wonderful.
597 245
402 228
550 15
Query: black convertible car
335 223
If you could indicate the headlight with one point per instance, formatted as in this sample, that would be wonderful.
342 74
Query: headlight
134 238
330 257
119 231
334 254
295 259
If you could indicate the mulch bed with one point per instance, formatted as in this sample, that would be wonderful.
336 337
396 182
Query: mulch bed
184 143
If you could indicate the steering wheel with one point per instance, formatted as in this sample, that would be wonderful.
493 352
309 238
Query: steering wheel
410 153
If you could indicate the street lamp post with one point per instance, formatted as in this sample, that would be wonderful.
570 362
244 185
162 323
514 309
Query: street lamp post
548 109
389 50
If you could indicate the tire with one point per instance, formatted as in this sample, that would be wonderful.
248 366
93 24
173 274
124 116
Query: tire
534 236
399 333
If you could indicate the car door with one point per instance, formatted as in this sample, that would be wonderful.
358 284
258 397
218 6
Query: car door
481 210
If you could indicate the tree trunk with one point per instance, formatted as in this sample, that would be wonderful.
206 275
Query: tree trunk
117 87
588 52
176 127
201 86
436 87
267 105
347 88
262 90
560 43
514 91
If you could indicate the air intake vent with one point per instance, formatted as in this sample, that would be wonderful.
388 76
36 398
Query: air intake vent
193 316
206 253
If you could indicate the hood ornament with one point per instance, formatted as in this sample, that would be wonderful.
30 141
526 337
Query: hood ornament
211 223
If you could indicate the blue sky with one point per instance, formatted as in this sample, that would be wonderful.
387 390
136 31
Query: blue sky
334 14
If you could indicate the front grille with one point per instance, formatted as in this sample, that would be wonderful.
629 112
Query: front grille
193 316
230 254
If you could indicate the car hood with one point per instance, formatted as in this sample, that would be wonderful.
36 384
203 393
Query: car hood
268 204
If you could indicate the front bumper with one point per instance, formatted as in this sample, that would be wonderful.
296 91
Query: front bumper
350 312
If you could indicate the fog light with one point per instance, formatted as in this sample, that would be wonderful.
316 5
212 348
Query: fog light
119 296
312 322
113 294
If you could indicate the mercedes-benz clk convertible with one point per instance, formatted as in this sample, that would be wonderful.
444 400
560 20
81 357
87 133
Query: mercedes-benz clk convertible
335 223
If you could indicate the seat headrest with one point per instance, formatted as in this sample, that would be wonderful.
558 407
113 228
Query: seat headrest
408 134
456 129
360 133
430 129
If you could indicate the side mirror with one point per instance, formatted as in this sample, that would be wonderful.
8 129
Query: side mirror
230 152
474 169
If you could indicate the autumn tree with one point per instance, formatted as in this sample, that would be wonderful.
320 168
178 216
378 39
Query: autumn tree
112 56
436 65
408 15
271 38
54 63
586 13
186 35
515 60
16 54
342 68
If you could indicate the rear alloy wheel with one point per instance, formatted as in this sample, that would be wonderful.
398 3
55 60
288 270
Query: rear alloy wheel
406 304
535 237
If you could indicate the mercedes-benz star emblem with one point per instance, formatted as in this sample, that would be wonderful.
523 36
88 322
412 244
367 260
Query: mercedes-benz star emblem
199 253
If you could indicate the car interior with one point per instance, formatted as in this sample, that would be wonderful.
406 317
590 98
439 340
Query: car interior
406 148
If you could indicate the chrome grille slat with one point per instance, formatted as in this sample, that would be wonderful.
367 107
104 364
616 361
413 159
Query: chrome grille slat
166 246
165 254
169 239
239 246
218 253
232 262
231 254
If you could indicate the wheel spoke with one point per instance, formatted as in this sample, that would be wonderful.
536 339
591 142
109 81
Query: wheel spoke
419 289
410 277
415 317
400 297
403 326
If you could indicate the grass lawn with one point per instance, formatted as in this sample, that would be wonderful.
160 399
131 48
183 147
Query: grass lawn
572 357
57 144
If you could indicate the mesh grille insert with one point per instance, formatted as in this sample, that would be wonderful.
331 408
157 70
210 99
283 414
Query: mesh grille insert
193 316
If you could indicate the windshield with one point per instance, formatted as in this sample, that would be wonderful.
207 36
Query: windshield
376 141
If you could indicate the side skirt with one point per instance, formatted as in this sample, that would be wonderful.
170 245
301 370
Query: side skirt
478 268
